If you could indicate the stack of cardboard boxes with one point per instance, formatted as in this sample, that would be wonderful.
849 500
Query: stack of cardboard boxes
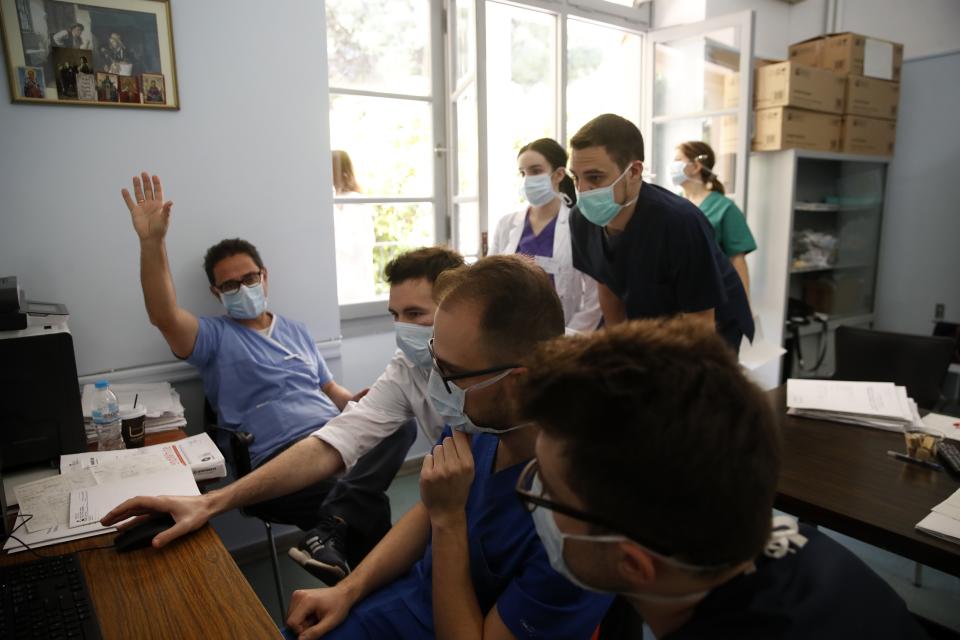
835 93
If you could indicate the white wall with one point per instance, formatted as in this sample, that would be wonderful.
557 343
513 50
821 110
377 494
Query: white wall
924 27
919 253
247 155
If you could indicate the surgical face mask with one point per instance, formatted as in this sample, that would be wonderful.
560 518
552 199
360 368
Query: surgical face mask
412 339
538 190
450 404
598 205
553 541
677 175
246 303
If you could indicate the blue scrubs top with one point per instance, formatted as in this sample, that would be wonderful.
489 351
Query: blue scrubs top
508 564
665 262
269 387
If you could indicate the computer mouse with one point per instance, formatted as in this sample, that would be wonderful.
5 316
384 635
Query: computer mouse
142 535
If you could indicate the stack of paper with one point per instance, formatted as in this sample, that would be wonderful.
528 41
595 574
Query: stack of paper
949 426
164 409
882 405
69 506
944 520
197 452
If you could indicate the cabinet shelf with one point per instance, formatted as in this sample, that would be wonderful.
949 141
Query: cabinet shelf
825 207
835 267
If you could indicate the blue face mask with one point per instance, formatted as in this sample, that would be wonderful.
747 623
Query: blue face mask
412 339
598 205
538 190
246 303
450 404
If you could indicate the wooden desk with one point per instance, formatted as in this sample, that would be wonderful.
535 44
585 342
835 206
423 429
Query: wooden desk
190 589
840 476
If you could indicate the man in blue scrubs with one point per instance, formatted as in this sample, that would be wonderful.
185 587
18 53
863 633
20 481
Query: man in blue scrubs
465 562
656 470
651 252
264 375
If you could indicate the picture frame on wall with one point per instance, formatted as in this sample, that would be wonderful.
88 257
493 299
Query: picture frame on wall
61 52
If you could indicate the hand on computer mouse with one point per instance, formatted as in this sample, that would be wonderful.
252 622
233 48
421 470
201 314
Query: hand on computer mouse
188 512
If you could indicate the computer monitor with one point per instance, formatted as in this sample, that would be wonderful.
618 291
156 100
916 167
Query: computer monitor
40 413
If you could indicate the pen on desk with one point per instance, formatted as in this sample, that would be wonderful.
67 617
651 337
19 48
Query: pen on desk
922 463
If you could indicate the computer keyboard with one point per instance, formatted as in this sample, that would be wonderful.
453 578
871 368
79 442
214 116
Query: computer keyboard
46 598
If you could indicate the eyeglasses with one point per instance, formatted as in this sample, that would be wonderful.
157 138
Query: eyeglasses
447 379
532 499
232 286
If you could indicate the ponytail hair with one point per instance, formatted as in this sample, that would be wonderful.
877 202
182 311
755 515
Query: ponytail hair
697 151
556 157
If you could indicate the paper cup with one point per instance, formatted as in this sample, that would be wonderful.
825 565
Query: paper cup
132 421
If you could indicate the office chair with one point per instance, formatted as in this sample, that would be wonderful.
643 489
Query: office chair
239 454
918 363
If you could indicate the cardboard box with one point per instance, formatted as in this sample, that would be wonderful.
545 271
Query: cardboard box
786 128
731 90
789 84
851 54
868 136
872 97
727 136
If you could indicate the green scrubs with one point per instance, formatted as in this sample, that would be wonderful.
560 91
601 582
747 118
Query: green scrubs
729 224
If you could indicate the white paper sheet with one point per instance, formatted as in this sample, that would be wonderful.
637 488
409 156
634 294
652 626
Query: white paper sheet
198 452
53 535
874 399
48 500
949 426
878 59
88 505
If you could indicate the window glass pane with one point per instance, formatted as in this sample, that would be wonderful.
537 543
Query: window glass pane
720 132
521 96
466 52
697 74
603 73
468 162
468 228
379 46
390 143
368 236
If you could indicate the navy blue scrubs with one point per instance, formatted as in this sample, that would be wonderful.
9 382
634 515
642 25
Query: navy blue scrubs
665 262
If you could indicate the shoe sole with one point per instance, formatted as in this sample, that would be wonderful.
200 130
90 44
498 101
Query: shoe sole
329 573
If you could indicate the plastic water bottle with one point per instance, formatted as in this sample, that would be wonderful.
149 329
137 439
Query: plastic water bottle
106 418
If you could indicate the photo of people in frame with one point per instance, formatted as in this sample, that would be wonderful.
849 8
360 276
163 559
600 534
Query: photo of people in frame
153 90
69 64
107 87
129 89
31 82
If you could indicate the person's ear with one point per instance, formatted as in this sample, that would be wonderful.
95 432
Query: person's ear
216 294
559 174
637 165
636 566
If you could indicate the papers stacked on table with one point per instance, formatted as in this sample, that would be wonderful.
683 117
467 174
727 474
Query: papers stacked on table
199 453
882 405
944 520
949 426
69 506
164 409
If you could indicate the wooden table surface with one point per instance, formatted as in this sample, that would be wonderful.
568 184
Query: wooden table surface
840 476
189 589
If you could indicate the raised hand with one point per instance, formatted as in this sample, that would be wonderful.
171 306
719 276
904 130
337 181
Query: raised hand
149 212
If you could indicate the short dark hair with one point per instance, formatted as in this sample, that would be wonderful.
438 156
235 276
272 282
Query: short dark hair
620 137
517 303
663 435
225 249
425 262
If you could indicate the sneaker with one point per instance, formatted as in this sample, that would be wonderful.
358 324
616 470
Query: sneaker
323 551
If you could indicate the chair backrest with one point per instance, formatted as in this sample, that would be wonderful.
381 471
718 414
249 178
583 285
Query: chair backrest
918 363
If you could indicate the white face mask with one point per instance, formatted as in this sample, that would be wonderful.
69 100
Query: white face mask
412 339
677 174
450 404
246 303
538 190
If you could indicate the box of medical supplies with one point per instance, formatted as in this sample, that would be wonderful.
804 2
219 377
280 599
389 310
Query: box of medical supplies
868 136
731 83
789 84
872 98
851 54
786 128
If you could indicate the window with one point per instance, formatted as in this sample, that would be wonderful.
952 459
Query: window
383 115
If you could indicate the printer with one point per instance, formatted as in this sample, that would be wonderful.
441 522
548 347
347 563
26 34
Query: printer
40 414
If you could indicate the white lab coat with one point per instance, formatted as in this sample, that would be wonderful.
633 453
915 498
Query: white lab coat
400 393
577 290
